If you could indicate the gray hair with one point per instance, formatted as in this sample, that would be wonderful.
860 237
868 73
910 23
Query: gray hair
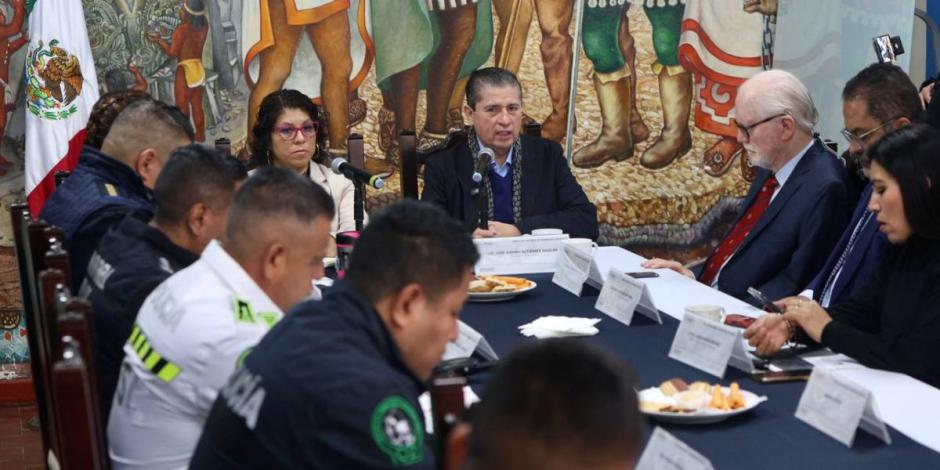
783 93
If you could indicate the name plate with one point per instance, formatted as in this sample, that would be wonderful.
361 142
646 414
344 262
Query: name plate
666 452
573 266
518 255
838 407
623 295
468 340
707 345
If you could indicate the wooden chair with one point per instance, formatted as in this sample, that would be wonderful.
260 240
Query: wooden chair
52 292
532 129
447 406
56 257
83 438
356 151
21 221
408 161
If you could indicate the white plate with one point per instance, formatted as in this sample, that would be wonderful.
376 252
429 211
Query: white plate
707 415
499 296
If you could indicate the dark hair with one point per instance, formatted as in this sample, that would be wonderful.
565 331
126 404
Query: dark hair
911 154
489 77
198 21
274 193
887 91
410 242
105 111
270 110
195 173
556 400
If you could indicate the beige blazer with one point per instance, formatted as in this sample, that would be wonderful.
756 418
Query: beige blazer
343 194
341 190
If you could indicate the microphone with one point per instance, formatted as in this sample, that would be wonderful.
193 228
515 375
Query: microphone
341 167
486 156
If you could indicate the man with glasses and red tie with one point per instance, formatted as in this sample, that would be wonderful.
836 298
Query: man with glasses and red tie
797 206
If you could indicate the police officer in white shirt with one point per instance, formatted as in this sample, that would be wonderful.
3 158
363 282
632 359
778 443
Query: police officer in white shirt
199 325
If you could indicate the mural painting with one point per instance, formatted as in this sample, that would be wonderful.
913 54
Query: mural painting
653 141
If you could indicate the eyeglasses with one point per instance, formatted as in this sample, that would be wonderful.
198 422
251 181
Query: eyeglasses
860 139
746 130
287 131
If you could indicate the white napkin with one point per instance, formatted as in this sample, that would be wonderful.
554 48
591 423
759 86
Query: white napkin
559 327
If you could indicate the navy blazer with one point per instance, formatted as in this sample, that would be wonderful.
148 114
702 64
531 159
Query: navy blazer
551 196
859 263
792 239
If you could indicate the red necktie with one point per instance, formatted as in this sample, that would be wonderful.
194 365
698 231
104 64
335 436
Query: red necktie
739 233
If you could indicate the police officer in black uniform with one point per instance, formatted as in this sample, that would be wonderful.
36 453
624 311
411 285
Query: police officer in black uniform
335 384
192 198
117 180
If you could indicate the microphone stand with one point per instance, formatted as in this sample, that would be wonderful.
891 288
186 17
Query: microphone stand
358 204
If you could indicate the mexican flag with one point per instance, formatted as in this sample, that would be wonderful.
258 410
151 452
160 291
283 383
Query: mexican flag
61 88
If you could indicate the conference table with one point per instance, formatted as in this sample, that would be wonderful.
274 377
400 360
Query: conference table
767 437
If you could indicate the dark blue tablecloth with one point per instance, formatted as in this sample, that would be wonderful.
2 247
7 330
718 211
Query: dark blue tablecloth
768 437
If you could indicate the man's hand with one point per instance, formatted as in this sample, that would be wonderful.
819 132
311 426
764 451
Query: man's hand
658 263
500 229
766 7
768 334
480 233
808 314
926 93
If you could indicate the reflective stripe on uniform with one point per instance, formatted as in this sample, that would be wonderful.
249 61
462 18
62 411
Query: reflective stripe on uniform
153 361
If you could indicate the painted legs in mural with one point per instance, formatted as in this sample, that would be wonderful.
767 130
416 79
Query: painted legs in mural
186 46
610 47
330 39
554 18
457 27
675 87
7 48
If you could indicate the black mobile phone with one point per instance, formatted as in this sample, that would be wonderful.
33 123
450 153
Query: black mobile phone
764 301
887 48
643 274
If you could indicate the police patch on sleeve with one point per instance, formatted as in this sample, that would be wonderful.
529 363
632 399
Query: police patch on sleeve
397 431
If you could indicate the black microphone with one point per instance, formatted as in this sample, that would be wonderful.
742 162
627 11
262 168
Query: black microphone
486 155
341 167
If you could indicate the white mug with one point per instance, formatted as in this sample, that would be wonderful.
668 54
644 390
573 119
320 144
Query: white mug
708 312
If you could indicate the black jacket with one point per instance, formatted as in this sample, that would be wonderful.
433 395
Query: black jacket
551 196
893 322
132 259
326 388
98 194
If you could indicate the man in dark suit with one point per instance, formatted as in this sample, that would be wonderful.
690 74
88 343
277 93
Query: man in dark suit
797 206
524 183
875 101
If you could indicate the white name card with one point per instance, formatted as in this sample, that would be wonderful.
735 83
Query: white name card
573 266
704 344
623 295
666 452
838 407
468 340
518 255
